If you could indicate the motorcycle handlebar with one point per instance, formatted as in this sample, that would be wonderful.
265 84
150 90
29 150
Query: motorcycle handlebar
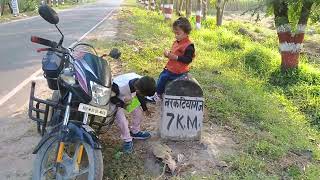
43 41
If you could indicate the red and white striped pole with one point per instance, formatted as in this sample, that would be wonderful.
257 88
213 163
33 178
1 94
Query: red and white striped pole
168 9
198 19
290 45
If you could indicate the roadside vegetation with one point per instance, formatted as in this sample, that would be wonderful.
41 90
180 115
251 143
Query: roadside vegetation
30 7
273 115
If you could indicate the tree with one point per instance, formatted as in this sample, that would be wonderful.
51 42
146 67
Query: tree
198 14
177 6
291 19
188 8
181 2
204 9
220 5
3 4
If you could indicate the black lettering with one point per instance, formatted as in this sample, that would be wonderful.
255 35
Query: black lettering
170 121
194 123
179 118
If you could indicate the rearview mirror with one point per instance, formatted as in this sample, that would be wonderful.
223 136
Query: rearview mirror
115 53
48 14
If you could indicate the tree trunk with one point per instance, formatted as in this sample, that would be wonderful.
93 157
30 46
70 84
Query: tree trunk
180 7
2 8
188 8
161 5
204 9
220 5
290 43
176 2
10 8
198 14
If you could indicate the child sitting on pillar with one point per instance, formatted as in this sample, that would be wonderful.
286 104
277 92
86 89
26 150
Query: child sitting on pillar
179 58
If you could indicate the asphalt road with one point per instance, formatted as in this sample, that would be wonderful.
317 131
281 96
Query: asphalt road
18 61
18 56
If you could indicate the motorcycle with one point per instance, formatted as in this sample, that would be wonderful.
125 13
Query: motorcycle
71 121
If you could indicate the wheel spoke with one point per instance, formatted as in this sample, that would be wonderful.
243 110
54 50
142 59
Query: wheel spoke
82 172
68 168
47 169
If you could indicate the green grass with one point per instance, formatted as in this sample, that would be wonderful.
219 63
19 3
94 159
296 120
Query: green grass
269 110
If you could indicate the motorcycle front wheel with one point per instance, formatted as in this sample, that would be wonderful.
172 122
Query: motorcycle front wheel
89 167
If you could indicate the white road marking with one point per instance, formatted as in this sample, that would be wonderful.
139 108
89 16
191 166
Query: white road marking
19 87
34 75
39 78
94 27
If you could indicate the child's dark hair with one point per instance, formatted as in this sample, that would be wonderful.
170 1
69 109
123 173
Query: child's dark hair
183 23
146 85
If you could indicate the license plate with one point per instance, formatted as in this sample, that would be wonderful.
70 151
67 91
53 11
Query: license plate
92 110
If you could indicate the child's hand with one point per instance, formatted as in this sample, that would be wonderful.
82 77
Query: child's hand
166 53
126 101
172 56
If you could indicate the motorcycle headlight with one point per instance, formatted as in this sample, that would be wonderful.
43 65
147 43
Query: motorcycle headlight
68 77
100 94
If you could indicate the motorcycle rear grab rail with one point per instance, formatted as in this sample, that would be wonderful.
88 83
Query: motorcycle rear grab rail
39 112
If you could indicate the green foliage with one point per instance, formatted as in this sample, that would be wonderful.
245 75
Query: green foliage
259 60
245 166
294 171
268 149
303 75
295 7
28 5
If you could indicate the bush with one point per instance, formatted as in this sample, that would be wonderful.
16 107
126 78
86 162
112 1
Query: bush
269 150
303 75
227 41
259 60
28 5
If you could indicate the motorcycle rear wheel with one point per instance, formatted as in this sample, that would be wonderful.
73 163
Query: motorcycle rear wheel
44 169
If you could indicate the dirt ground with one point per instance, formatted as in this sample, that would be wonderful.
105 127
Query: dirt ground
18 137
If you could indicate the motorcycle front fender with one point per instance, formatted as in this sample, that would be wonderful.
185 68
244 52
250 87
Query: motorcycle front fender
76 132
